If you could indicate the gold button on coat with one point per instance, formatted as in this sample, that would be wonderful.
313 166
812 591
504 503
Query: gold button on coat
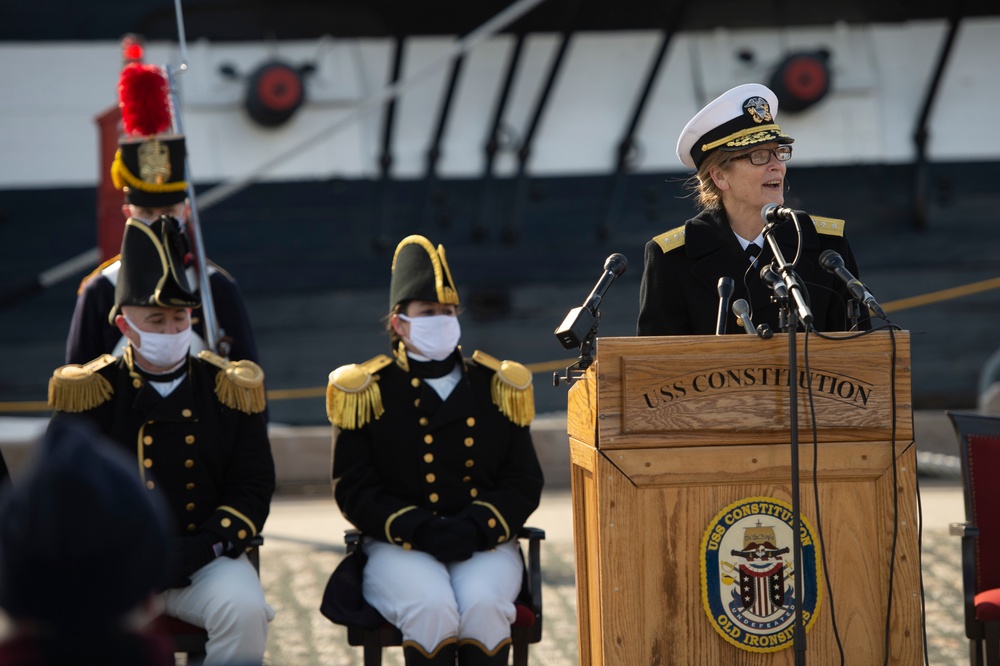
428 439
415 382
186 413
433 497
469 441
147 463
189 439
190 506
424 420
225 522
430 478
147 440
470 421
189 463
428 457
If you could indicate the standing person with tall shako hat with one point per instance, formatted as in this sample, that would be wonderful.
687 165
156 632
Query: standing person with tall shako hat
739 153
434 463
149 168
195 425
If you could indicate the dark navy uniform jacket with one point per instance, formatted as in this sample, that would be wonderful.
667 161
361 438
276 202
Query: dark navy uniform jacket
212 462
90 334
679 290
425 457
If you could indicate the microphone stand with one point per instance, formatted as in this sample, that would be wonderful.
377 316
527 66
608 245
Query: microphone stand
799 312
853 314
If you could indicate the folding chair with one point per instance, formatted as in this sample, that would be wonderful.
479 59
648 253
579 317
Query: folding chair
979 442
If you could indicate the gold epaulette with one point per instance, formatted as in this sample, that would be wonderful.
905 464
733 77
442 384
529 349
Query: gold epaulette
78 388
510 388
671 240
240 385
829 226
353 398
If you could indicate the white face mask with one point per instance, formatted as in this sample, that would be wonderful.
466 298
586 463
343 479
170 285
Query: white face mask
436 336
164 350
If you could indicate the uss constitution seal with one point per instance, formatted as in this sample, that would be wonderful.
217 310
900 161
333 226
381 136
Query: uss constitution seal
747 574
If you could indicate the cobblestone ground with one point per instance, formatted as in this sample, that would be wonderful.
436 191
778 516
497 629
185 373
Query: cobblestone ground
295 572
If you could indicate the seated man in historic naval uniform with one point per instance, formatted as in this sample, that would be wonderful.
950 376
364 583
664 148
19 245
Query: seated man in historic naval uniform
434 463
195 425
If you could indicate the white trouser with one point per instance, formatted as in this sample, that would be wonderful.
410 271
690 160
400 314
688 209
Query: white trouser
225 597
431 602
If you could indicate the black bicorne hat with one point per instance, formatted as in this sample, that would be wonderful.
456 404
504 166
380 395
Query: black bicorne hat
152 267
420 272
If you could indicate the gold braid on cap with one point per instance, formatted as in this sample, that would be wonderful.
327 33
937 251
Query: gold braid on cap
240 385
744 136
510 389
121 176
353 397
78 388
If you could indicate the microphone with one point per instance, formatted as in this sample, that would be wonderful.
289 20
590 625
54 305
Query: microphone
614 266
774 281
742 311
580 321
773 213
725 293
834 263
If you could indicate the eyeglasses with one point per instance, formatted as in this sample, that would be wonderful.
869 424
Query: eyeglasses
762 156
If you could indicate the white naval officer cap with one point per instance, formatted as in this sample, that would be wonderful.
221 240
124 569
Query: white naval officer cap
738 118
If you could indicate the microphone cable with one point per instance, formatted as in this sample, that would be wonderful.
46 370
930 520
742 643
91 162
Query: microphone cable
815 479
891 328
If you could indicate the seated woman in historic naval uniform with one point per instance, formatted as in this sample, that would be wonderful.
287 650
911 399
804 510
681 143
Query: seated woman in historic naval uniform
434 463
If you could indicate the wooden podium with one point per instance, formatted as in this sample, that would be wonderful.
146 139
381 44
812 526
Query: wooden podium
677 442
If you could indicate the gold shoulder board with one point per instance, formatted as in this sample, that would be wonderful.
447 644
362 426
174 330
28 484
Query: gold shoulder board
671 240
97 271
511 388
240 385
353 398
829 226
78 388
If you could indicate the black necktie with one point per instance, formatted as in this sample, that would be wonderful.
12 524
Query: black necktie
752 252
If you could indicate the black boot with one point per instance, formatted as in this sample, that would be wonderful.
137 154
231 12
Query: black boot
444 655
474 654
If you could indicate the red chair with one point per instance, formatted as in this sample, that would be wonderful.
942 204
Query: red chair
190 639
979 441
525 630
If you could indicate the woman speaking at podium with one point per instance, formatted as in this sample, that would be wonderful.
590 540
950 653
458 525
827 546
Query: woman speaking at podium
740 155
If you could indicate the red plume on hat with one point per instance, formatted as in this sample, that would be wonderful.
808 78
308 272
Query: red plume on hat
144 98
